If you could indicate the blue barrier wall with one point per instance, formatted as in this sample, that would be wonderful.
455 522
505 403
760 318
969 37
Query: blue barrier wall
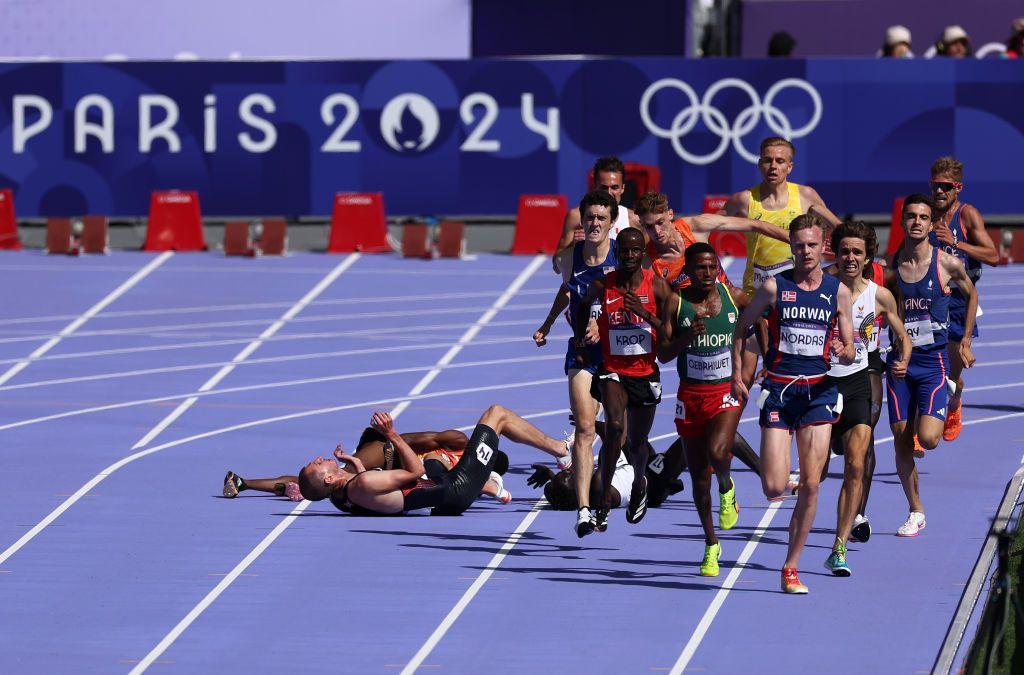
465 137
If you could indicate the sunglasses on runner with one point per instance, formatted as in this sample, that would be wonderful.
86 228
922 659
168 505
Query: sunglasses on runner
944 186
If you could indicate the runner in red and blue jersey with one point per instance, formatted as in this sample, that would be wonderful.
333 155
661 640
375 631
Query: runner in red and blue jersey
958 229
805 306
922 276
634 308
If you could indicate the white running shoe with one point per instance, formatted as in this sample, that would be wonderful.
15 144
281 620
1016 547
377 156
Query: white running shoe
566 462
585 522
861 530
915 523
503 496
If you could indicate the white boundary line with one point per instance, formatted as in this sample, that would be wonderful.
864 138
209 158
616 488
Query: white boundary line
474 588
210 597
88 314
205 309
225 370
258 387
163 329
716 603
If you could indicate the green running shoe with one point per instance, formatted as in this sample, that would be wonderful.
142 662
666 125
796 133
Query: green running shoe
728 509
836 563
709 568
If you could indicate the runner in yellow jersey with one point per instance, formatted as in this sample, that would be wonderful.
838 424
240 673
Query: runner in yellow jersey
777 201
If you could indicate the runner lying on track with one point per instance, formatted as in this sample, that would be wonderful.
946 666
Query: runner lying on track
420 484
376 452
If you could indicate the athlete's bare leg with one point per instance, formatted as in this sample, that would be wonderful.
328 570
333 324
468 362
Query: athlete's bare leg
638 450
615 399
903 439
956 369
775 461
869 457
513 427
929 431
855 445
812 447
584 411
700 474
721 435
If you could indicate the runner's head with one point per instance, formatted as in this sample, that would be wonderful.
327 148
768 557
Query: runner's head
917 217
807 239
598 210
776 160
702 265
946 182
656 217
855 245
630 250
610 176
560 493
320 477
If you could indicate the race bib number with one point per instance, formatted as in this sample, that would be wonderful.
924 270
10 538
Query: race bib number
729 402
763 273
860 354
680 411
595 310
920 331
717 366
802 341
657 465
484 452
629 341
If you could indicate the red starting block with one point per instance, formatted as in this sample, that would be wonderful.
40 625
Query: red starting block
274 238
725 243
59 240
539 224
236 238
95 234
8 223
415 242
175 223
451 241
358 223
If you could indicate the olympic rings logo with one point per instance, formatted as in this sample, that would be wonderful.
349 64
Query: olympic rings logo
713 118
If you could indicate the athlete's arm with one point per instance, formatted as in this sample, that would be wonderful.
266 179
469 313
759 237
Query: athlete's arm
885 304
411 462
737 205
712 222
844 348
572 221
632 303
815 204
979 245
956 271
579 328
425 441
764 297
739 296
672 341
558 305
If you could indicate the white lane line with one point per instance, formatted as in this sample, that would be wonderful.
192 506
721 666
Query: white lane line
474 588
320 287
102 475
247 307
269 385
716 604
263 361
187 328
210 597
88 314
485 574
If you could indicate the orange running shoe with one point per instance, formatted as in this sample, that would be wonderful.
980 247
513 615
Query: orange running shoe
918 448
954 424
791 582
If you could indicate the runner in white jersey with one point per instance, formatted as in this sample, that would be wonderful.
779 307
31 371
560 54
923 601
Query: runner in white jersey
609 176
855 245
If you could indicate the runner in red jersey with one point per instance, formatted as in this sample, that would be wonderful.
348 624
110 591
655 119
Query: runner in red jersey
634 308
